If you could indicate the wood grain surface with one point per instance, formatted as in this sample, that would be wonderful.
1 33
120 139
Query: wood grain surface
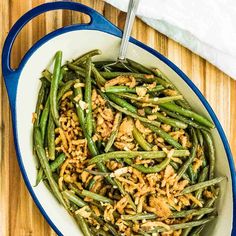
19 215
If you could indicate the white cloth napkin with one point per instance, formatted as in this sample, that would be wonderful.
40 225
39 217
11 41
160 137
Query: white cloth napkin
206 27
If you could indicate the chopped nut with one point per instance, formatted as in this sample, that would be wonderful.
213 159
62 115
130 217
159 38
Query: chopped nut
141 91
83 105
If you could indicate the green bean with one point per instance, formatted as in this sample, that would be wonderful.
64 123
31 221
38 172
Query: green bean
57 162
121 102
91 183
91 145
137 76
103 168
192 174
133 115
98 219
45 81
114 66
94 125
134 154
47 75
111 229
209 203
143 233
211 153
96 196
54 87
88 98
69 75
114 132
54 165
124 193
126 89
69 194
164 135
185 166
94 152
77 69
62 73
176 167
152 216
199 137
137 66
139 216
111 75
201 185
100 232
182 225
40 100
99 144
160 74
51 138
111 140
75 190
44 118
183 103
39 176
79 110
154 79
83 225
201 142
196 231
157 88
119 89
66 87
192 212
153 169
154 100
98 77
122 67
183 119
166 120
94 172
141 140
202 120
83 58
101 64
45 165
202 177
80 113
47 78
45 182
186 231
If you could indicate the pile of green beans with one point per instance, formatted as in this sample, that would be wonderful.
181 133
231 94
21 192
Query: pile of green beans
170 112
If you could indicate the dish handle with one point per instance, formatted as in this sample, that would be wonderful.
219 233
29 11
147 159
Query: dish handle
11 76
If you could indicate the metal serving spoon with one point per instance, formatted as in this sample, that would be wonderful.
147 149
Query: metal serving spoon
131 13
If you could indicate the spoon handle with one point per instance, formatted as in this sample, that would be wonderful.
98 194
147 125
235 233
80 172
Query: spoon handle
132 9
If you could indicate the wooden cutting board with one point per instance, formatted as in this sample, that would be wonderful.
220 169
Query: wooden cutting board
18 214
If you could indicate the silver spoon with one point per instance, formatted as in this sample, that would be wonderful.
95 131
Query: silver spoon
131 13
